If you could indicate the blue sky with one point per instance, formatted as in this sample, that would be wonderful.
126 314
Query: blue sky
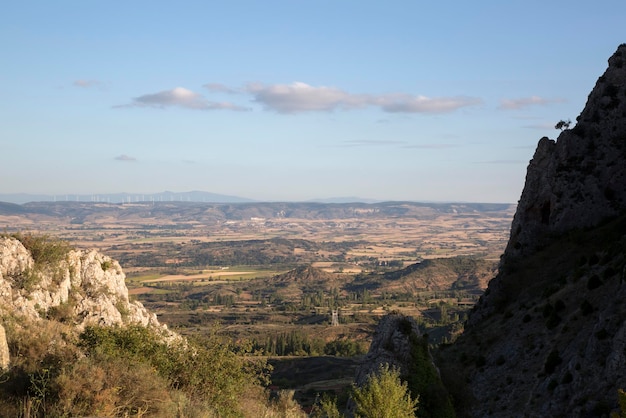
292 100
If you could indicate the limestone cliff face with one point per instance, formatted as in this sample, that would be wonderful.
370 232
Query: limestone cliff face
548 337
580 179
88 286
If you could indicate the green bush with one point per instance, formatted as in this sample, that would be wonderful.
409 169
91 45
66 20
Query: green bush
47 253
207 370
325 407
384 395
123 371
44 249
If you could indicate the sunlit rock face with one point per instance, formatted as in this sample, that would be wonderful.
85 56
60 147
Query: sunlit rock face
88 284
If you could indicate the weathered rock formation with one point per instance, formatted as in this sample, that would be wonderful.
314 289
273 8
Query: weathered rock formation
4 350
84 288
398 343
580 179
390 345
548 338
91 283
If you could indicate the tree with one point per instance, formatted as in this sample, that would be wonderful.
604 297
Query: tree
563 124
384 395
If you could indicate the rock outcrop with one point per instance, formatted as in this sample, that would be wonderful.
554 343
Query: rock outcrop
580 179
390 345
4 350
398 343
85 288
548 337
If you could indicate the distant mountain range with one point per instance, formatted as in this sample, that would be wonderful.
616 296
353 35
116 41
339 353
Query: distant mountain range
167 196
193 196
184 211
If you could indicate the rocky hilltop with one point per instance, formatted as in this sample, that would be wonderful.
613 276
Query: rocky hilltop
77 287
548 338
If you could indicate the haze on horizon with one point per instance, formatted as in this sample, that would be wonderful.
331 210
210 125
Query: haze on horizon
292 101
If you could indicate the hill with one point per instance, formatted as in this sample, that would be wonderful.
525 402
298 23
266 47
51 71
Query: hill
210 212
468 274
455 273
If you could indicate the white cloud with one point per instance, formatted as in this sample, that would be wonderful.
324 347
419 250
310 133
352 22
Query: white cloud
124 157
405 103
180 97
301 97
523 102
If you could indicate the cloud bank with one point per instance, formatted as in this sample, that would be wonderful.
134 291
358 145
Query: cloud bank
300 97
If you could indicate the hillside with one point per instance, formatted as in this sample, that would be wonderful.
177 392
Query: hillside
455 273
548 337
304 279
469 274
86 212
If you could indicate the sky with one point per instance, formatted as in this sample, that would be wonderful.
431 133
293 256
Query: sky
293 100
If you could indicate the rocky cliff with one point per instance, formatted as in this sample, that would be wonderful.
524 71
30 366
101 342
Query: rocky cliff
80 288
548 338
579 179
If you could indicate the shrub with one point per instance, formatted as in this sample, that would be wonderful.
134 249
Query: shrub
47 253
204 369
27 280
121 371
384 395
44 249
325 407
